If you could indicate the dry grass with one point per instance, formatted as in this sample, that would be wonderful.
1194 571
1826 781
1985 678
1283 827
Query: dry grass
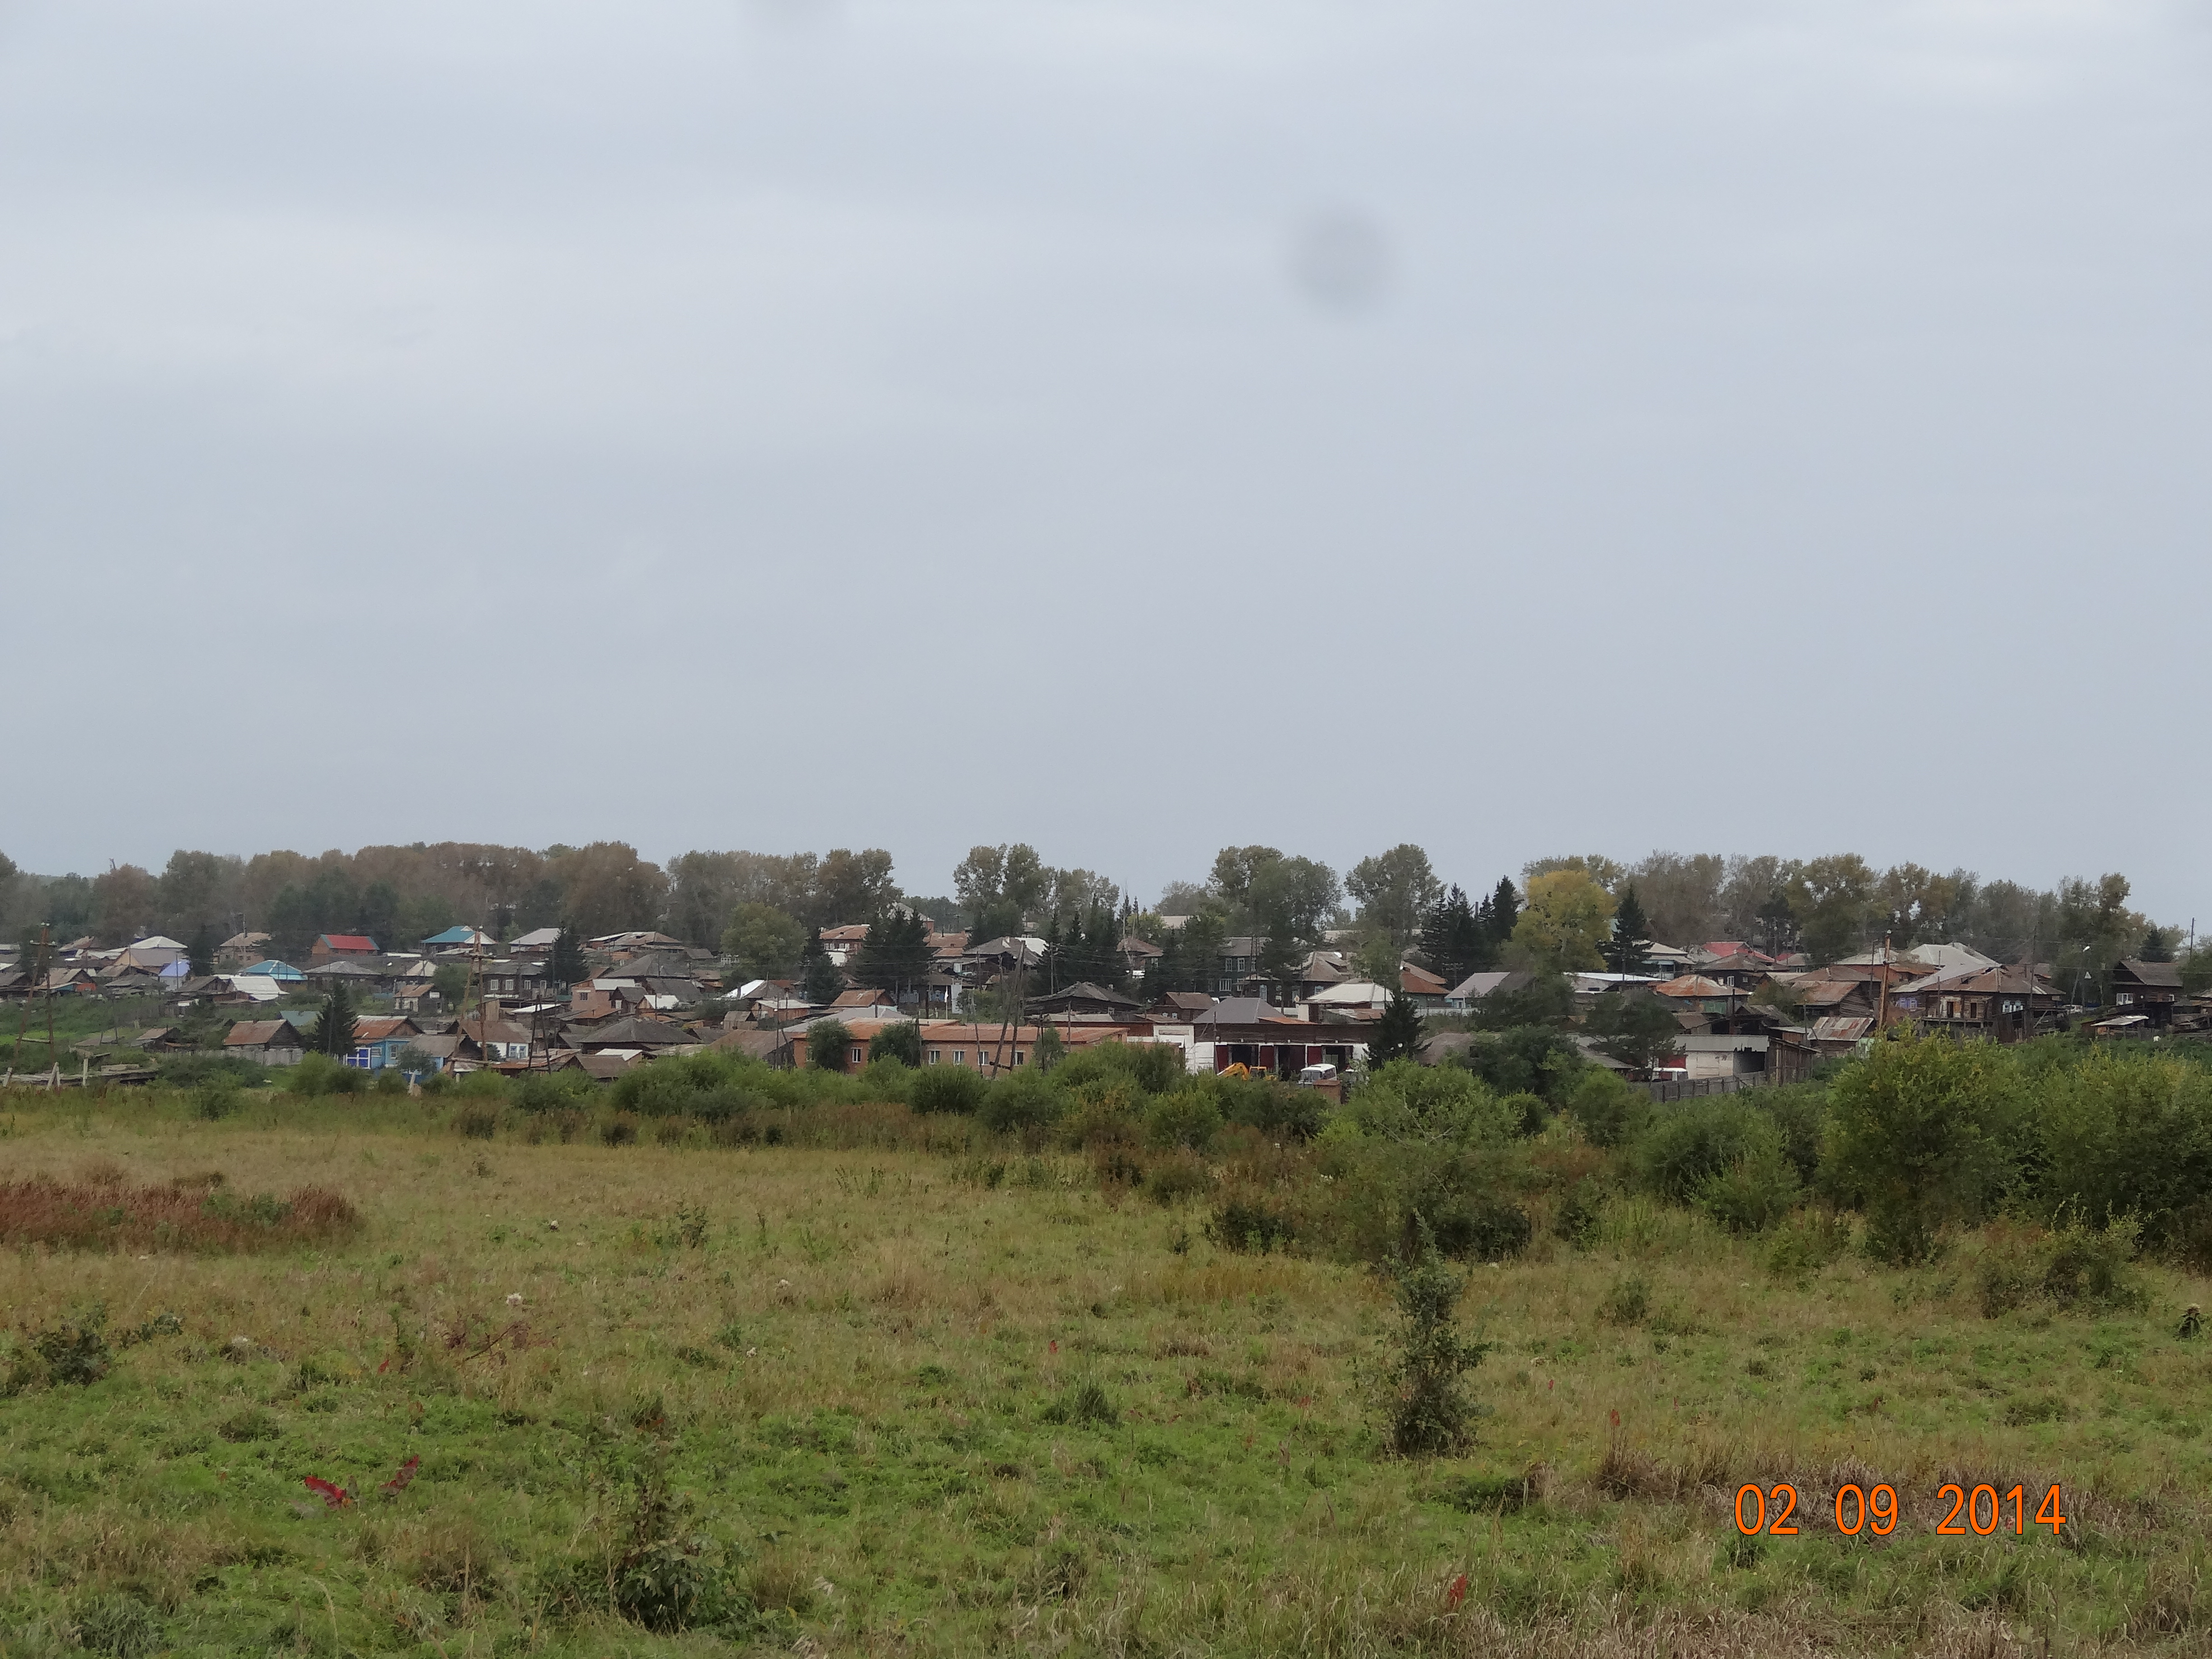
189 1213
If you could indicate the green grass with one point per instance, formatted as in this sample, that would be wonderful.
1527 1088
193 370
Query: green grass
897 1406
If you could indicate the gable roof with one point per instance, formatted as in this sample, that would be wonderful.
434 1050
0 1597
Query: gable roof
353 944
1695 985
2166 975
259 1033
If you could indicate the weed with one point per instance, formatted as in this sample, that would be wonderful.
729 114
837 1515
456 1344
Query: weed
119 1625
1086 1402
1626 1301
1430 1413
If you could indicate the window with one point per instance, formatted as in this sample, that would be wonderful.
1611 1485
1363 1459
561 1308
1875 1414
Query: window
933 1056
1017 1056
858 1055
960 1057
2124 999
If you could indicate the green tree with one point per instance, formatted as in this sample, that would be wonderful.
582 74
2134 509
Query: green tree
1567 917
1395 891
379 914
1267 892
900 1041
765 942
450 980
201 949
852 885
1001 888
828 1045
124 903
1633 1027
1921 1133
1833 901
1624 952
607 888
1500 913
1453 938
2158 944
821 982
895 957
566 962
1430 1413
335 1030
1397 1034
1048 1051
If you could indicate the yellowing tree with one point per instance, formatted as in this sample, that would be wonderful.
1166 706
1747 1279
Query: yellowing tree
1568 916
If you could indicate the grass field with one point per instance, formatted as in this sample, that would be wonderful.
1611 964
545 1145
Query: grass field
928 1394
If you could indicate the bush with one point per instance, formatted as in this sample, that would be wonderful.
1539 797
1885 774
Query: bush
1609 1111
1188 1119
1430 1413
1526 1059
1751 1194
1479 1228
1250 1224
318 1074
828 1045
1173 1180
1811 1239
1799 1111
1627 1301
2125 1134
900 1042
2075 1267
887 1080
1688 1143
1155 1068
1103 1115
1024 1099
1407 1101
946 1088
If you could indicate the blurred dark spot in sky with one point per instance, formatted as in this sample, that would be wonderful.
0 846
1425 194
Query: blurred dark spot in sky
1340 260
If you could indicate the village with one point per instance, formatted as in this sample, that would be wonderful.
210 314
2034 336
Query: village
1707 1018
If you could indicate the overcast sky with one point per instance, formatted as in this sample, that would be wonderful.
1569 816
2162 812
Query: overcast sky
1129 428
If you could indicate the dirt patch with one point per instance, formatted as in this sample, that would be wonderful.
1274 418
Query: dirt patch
104 1215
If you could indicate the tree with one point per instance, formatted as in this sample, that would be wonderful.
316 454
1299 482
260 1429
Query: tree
1624 954
1834 902
1633 1027
451 982
197 889
1598 867
1430 1413
765 942
123 902
900 1041
334 1030
1567 916
2158 944
1397 1034
895 955
607 888
1001 888
1920 1132
1049 1050
1681 894
1267 892
1500 913
201 949
850 885
1453 938
566 963
1395 890
828 1045
821 982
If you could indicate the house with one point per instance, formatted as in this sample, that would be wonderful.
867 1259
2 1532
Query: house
329 947
864 1003
1462 997
377 1042
1181 1005
841 943
1138 954
1248 1032
991 1048
537 942
240 949
2152 989
151 954
1698 1055
518 978
488 1037
632 1032
282 972
265 1042
1996 1004
1700 993
1351 996
458 941
1083 997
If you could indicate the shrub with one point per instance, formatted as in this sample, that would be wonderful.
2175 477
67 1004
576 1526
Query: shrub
1247 1223
413 1060
1528 1110
1810 1240
1751 1194
1103 1115
1188 1119
1024 1099
1688 1143
2125 1134
1526 1059
1478 1228
1608 1110
1406 1100
215 1100
318 1074
828 1045
887 1079
72 1352
1155 1068
1175 1179
1627 1301
1921 1133
1799 1111
946 1088
900 1042
2074 1268
1430 1413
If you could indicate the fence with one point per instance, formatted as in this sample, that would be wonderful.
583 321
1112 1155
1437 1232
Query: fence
1699 1088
